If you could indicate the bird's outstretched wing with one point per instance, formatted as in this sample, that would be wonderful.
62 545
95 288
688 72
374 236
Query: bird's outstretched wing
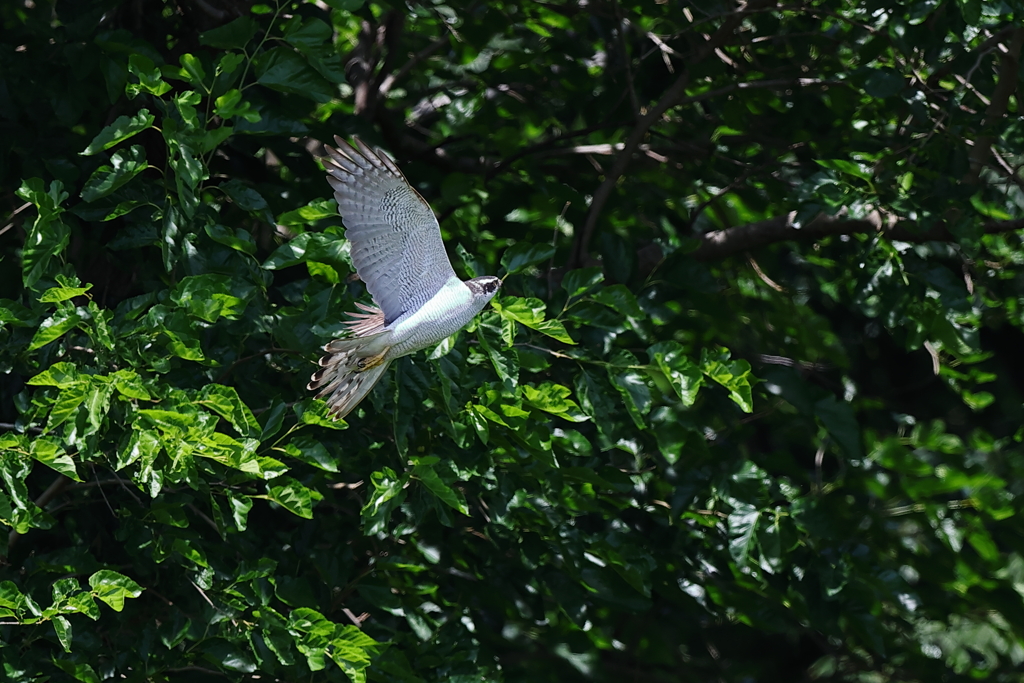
396 241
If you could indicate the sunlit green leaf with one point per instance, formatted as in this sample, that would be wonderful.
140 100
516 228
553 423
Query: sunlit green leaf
114 588
120 130
523 255
124 166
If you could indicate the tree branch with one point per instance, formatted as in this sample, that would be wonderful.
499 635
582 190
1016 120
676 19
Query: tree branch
359 69
389 82
1005 86
720 244
669 99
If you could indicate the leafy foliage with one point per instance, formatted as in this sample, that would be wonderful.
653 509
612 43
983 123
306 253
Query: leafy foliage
747 407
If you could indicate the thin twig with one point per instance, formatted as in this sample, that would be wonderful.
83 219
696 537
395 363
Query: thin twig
224 375
358 621
389 82
1006 84
104 495
819 459
921 507
13 427
719 244
202 515
671 98
1005 166
621 40
14 213
764 278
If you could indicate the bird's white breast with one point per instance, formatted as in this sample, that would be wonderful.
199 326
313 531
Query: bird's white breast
444 314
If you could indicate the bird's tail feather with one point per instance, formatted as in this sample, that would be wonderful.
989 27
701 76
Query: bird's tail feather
348 371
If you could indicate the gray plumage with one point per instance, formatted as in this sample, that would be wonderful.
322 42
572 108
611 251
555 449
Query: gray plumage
396 241
398 252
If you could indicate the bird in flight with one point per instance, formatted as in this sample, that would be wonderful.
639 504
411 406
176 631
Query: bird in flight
398 253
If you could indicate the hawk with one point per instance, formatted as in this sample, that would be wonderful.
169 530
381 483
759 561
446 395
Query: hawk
398 252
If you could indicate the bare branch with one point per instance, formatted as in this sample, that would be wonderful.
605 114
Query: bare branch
720 244
1005 86
389 82
13 214
669 99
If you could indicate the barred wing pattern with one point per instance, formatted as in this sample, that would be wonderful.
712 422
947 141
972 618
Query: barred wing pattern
396 241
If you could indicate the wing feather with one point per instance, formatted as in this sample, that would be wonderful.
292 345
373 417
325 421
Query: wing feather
396 241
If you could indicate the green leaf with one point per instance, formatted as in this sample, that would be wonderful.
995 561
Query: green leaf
314 412
63 628
446 494
352 650
742 525
150 81
619 298
841 424
229 63
989 209
312 38
595 400
292 496
631 385
308 247
48 235
554 398
211 297
240 506
192 69
684 375
282 69
120 130
530 312
245 197
79 671
129 385
345 5
231 104
388 493
505 361
228 655
50 453
312 452
239 239
67 404
55 327
97 403
522 255
58 294
579 282
114 588
733 375
316 210
60 375
234 34
225 402
125 165
13 603
843 166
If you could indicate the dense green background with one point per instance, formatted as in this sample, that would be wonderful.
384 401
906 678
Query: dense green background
749 407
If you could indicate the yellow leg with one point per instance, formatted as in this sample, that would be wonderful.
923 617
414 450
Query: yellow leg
370 362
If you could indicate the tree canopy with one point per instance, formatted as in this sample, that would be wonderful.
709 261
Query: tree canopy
748 406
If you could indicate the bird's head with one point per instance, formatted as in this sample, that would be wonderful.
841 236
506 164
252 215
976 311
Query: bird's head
484 287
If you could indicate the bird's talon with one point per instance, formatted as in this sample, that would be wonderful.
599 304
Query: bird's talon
370 362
